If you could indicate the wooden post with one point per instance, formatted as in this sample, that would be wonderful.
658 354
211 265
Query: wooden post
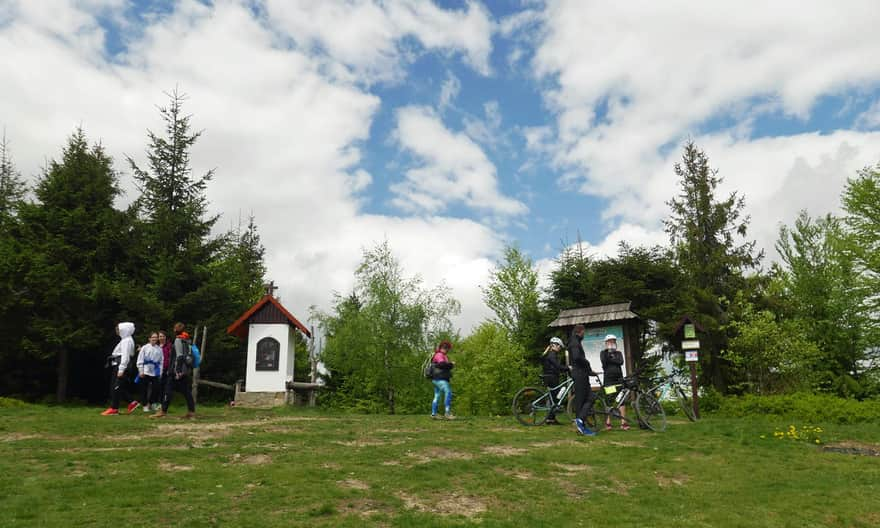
313 368
196 371
695 397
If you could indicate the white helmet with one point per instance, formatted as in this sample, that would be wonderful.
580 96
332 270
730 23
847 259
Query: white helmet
555 341
611 337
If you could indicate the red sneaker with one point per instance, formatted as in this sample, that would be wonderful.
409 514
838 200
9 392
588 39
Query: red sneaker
132 406
624 426
110 412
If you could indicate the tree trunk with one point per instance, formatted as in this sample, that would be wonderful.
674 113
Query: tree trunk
63 371
387 364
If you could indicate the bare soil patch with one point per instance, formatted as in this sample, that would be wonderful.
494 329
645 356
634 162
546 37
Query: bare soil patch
555 443
667 481
17 437
572 468
353 484
438 453
367 442
853 448
168 466
625 443
451 504
516 474
252 460
504 450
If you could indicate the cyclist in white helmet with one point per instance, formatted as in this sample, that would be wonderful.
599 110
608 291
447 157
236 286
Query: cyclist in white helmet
552 368
612 366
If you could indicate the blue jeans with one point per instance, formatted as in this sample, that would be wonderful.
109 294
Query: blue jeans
441 386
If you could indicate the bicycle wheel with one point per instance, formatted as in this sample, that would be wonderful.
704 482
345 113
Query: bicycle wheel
531 406
596 421
687 404
650 412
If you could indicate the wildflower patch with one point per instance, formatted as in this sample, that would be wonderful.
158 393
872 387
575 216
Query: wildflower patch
806 433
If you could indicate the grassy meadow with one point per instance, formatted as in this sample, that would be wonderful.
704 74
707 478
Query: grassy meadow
68 466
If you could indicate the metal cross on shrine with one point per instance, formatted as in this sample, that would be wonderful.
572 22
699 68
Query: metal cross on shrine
270 288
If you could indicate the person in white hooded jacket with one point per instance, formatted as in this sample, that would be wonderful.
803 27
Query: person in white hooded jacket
118 363
149 364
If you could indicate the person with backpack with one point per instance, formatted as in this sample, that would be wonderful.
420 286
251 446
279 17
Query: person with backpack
612 366
441 369
552 368
179 372
580 373
118 364
149 364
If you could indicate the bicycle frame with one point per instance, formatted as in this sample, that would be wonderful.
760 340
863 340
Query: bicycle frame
618 399
559 393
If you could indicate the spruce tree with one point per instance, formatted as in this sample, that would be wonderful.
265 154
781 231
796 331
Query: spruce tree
12 186
174 208
12 258
705 233
75 241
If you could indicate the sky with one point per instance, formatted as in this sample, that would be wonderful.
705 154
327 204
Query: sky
454 128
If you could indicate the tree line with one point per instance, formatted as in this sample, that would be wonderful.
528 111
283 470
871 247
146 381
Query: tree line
73 263
807 323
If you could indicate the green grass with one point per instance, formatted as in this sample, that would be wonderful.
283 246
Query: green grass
293 467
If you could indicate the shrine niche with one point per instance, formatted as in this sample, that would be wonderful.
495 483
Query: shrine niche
268 352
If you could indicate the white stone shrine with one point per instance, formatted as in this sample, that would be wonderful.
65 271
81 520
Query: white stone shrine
270 332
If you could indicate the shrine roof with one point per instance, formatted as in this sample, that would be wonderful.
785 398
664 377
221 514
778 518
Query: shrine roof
267 310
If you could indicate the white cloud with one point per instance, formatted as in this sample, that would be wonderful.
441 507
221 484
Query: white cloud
368 36
449 90
870 118
453 169
629 81
486 130
283 131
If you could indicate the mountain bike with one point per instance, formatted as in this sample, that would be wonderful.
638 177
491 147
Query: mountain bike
532 405
609 400
668 387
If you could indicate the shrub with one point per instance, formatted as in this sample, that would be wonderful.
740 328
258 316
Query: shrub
811 408
7 403
490 369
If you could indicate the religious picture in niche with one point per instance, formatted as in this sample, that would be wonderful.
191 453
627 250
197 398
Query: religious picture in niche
268 351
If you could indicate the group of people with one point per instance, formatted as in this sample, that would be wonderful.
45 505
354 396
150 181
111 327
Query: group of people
553 365
163 366
580 370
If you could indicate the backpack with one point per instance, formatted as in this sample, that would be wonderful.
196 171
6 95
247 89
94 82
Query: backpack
183 365
429 371
196 356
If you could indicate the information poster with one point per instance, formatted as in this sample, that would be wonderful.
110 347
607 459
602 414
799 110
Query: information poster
594 343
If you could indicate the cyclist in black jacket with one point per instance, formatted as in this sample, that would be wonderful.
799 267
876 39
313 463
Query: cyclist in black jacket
580 373
552 369
612 366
